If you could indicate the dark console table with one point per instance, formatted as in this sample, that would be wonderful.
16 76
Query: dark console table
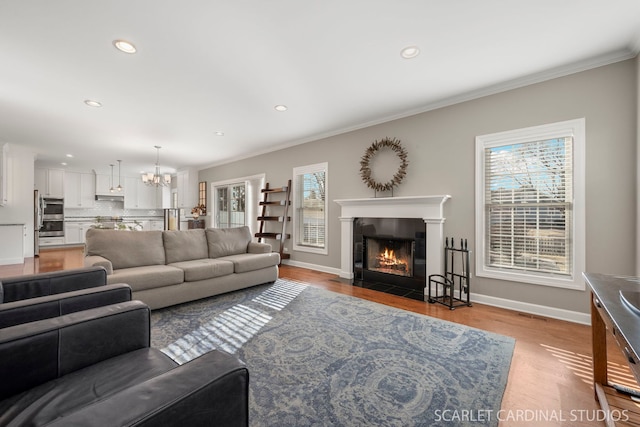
195 223
612 309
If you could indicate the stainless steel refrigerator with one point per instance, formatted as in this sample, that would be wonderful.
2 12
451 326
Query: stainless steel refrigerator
37 221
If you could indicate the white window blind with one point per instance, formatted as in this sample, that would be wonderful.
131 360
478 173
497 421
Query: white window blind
310 218
528 195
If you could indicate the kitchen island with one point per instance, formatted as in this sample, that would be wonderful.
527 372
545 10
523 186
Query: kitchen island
76 226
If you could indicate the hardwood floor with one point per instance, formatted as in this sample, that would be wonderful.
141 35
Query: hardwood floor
550 380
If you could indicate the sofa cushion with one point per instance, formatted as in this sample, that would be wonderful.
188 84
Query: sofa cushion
185 245
250 262
126 249
201 269
227 241
147 277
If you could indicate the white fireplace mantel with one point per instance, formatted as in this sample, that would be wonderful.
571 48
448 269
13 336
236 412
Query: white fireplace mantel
428 208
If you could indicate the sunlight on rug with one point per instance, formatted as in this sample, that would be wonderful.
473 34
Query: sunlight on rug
230 329
320 358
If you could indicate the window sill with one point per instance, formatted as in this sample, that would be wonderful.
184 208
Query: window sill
572 283
311 249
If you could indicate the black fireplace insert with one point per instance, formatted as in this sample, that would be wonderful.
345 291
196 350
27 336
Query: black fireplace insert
390 251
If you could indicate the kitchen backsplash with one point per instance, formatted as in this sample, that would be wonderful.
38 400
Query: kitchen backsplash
111 209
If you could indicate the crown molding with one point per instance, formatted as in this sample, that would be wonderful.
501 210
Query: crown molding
553 73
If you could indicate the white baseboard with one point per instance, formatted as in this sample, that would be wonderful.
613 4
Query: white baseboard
524 307
11 261
309 266
540 310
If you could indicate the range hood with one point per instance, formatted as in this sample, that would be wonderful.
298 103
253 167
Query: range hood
110 197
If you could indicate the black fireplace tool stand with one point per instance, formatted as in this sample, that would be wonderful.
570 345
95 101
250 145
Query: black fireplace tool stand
455 281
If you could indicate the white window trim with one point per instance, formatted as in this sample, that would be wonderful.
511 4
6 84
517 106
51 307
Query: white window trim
574 128
251 221
301 170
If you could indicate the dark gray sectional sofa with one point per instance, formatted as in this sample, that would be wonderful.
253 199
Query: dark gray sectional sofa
165 268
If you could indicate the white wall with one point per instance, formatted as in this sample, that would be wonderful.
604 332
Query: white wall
440 144
20 191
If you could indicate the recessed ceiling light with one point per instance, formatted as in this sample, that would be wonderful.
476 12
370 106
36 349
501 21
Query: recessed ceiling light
124 46
64 163
70 156
219 133
281 108
410 52
92 103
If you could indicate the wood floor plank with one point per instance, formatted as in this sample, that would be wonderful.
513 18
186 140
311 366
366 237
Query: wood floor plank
551 371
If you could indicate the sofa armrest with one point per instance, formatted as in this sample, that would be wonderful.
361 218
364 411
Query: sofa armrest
212 389
98 261
258 248
36 352
33 309
42 284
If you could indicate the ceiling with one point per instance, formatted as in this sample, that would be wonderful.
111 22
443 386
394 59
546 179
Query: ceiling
207 66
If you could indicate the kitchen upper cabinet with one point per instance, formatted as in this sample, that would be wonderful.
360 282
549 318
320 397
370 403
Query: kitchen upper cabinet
131 193
50 182
138 195
187 185
79 190
103 184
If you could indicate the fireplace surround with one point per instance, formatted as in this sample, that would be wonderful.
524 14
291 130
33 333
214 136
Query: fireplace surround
428 209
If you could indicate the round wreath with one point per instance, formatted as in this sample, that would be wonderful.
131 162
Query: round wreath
365 170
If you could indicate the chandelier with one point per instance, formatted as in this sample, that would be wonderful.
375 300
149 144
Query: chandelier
156 178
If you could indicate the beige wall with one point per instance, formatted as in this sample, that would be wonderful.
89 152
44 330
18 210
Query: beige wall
638 163
441 142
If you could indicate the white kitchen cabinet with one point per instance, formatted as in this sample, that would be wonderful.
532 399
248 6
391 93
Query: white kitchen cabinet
75 232
72 233
131 193
156 225
12 249
103 184
138 195
146 196
4 174
187 185
51 241
79 190
50 182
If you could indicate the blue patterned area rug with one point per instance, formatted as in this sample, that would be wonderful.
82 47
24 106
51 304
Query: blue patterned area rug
318 358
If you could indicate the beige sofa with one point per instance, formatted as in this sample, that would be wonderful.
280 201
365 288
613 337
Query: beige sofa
165 268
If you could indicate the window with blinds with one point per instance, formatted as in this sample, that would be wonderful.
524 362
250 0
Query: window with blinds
530 204
310 214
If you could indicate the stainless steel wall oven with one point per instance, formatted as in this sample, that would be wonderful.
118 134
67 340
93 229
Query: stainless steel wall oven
52 218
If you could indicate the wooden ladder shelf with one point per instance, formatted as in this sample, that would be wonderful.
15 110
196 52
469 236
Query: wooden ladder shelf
271 207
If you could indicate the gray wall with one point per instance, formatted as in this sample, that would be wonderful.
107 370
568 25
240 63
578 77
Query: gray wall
441 142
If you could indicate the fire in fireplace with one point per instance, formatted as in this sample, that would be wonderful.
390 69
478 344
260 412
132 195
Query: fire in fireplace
390 256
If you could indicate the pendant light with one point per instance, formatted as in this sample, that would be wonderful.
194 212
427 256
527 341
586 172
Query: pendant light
111 190
119 186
